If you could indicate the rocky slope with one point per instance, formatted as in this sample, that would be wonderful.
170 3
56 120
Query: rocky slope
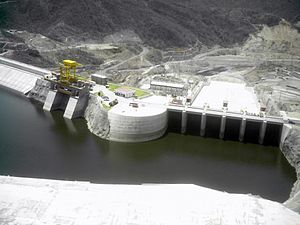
160 23
291 150
276 52
97 118
276 42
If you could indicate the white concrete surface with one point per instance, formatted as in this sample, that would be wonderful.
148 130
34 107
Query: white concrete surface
76 106
238 96
157 100
17 80
130 124
23 67
26 201
70 109
50 100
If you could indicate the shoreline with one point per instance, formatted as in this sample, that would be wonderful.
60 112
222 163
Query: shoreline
104 132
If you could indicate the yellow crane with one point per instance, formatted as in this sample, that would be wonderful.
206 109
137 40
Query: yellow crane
68 71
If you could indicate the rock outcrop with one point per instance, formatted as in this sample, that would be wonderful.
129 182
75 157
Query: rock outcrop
291 150
279 42
160 23
97 118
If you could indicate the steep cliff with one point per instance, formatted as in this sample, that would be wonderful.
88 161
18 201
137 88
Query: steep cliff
291 150
97 118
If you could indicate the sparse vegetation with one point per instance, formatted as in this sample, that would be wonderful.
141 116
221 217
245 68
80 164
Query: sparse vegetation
160 23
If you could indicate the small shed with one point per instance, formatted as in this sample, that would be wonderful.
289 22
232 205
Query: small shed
99 79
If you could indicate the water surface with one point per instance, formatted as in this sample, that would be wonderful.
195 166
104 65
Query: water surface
34 143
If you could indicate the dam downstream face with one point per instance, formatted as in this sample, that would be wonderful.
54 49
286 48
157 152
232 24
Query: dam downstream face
34 143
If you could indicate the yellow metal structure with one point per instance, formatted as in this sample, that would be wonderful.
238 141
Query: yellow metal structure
68 71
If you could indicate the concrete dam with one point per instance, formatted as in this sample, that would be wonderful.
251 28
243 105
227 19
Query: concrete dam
148 121
227 126
130 124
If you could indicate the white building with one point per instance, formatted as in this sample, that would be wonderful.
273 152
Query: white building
125 92
99 79
169 88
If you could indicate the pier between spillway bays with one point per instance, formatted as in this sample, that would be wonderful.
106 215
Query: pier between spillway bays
226 125
146 123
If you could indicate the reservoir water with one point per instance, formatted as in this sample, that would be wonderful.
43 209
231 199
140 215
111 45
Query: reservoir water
43 145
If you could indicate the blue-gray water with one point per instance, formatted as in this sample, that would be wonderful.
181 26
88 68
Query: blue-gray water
38 144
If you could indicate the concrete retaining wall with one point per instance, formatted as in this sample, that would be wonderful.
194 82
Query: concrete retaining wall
129 128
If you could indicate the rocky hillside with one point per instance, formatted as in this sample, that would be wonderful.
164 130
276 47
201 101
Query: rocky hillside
160 23
291 150
276 41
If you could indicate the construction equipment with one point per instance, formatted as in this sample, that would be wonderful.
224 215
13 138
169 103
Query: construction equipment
68 71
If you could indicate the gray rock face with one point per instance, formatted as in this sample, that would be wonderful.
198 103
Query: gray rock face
291 150
40 91
160 23
97 118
